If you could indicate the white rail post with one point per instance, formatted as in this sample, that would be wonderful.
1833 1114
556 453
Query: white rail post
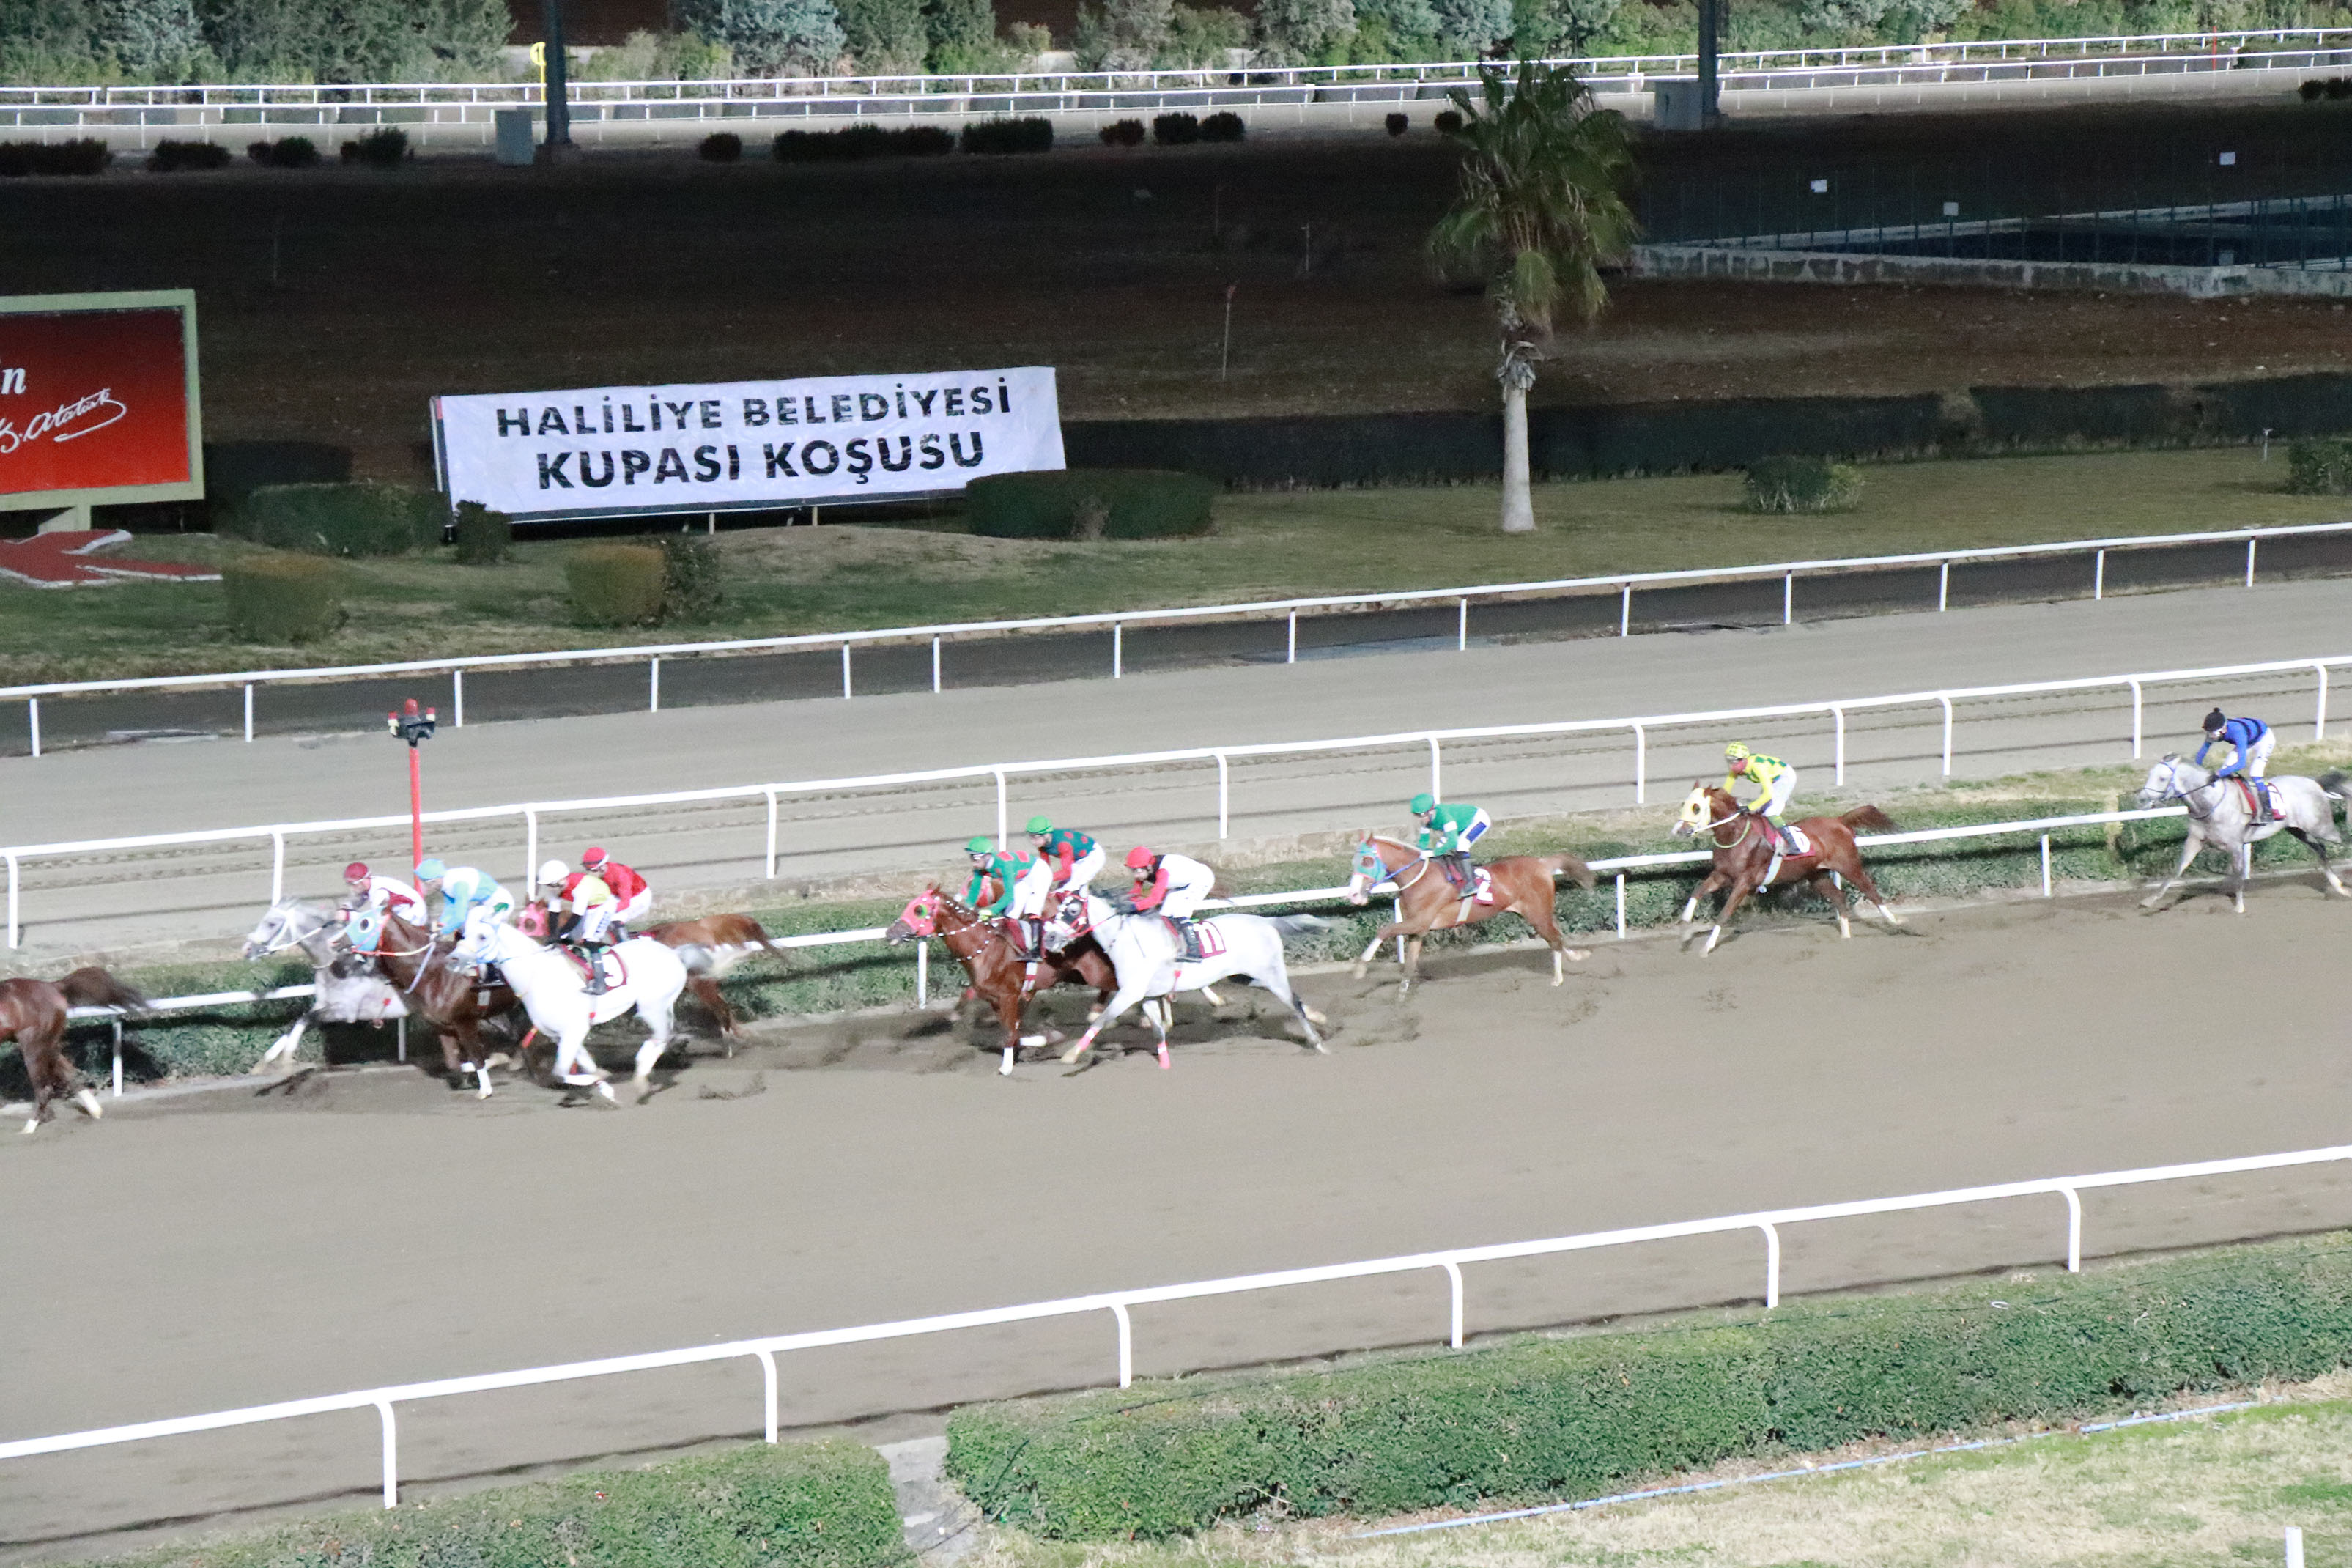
1772 1264
1641 766
277 864
1462 630
844 672
118 1058
2319 711
1290 654
530 847
1625 612
1224 793
1126 1344
923 973
2045 865
1837 714
935 665
768 1391
2136 717
12 900
1944 588
1789 599
457 697
771 835
1453 1280
391 1454
2074 1230
652 686
1117 659
33 713
2099 577
400 1034
2294 1546
2249 560
1947 734
1002 837
1436 785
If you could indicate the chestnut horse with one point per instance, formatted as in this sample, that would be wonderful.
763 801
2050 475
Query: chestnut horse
986 952
1426 902
454 1003
34 1014
1748 856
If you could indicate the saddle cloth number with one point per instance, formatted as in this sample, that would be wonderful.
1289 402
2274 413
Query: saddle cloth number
1211 940
1804 846
1482 885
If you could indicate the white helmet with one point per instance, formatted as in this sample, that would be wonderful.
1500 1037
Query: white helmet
552 874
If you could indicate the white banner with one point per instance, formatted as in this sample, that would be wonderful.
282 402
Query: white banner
551 455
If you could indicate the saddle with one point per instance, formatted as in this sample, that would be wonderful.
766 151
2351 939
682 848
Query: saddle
2264 804
608 965
1788 843
1196 941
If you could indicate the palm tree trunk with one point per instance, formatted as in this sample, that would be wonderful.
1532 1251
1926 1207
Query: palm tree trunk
1518 502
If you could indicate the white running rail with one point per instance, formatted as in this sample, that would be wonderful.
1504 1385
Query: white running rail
1626 583
1638 731
1120 1303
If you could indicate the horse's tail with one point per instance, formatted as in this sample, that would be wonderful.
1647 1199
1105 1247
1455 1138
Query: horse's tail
1293 925
1869 816
1577 870
2337 784
94 987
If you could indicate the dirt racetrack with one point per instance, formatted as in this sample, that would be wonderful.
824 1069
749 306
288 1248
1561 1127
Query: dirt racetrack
228 1248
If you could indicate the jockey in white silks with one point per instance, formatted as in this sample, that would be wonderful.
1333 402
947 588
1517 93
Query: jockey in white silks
585 914
369 899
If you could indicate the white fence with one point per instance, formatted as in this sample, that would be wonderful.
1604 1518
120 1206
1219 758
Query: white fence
463 110
1637 730
1118 621
1120 1304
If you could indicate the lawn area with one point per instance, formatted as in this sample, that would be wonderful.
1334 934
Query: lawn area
2210 1491
1268 544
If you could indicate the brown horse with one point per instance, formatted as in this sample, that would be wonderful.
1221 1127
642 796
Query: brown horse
729 940
1748 856
34 1014
454 1001
997 977
1520 885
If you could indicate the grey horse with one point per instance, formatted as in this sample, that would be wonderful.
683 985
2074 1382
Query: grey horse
2218 815
349 991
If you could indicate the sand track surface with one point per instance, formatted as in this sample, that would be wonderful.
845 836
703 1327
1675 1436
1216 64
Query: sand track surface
363 1228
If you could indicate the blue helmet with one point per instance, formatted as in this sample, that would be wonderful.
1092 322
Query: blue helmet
431 870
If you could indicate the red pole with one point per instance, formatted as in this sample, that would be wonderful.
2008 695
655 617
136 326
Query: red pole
416 809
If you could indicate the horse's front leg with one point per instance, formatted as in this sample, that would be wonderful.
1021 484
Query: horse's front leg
1364 960
1411 966
2188 852
1825 883
1119 1004
286 1045
1714 883
1740 891
2242 862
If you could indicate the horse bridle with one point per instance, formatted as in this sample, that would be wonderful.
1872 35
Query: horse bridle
1740 815
2172 771
1415 870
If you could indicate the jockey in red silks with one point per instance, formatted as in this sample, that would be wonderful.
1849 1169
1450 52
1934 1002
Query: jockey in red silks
636 899
367 895
1173 885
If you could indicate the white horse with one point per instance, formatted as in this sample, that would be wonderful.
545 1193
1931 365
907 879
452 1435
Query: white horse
348 990
1148 957
2218 815
554 993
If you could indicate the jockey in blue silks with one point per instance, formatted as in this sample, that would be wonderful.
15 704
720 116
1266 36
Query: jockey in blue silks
2251 743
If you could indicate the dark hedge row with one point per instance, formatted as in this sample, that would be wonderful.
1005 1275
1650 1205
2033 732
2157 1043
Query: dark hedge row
1538 1417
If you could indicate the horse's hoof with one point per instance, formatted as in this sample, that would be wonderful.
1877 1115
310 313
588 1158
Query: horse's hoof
1317 1019
1579 954
604 1091
1033 1040
32 1127
1070 1057
1358 973
1163 1059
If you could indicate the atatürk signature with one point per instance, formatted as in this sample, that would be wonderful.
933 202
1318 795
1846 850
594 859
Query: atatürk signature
64 423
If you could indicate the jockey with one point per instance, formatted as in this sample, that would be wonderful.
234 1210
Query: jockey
364 891
1174 885
2251 742
470 898
1447 831
1775 778
636 899
593 922
1021 883
1075 859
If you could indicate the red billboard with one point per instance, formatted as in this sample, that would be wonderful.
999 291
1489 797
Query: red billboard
98 400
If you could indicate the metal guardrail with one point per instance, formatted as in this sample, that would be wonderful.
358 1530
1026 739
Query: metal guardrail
1117 621
1638 729
1120 1303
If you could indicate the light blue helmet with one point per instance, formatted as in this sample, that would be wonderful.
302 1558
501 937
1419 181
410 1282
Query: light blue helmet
431 870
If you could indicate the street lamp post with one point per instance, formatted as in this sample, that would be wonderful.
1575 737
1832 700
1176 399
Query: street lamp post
415 727
559 87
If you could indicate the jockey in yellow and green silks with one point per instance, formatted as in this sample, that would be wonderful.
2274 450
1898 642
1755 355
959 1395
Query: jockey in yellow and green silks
1775 779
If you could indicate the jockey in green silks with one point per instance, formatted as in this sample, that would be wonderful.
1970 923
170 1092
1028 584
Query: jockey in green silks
1022 881
1447 831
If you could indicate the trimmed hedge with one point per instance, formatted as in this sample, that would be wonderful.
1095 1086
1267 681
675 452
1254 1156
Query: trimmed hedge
339 519
722 147
386 148
796 1505
1538 1417
1802 484
83 155
694 578
852 143
1122 133
483 537
1032 135
616 584
283 599
286 153
2318 466
1090 503
1398 124
1224 126
1176 130
171 157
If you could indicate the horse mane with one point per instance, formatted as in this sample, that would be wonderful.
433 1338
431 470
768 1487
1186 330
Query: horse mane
1391 843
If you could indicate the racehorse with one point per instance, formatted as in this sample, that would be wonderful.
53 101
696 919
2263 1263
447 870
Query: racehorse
729 939
34 1014
1750 859
2219 815
997 977
1519 885
1146 953
445 996
648 981
347 989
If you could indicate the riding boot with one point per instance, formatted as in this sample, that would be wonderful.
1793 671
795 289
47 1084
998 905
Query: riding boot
595 956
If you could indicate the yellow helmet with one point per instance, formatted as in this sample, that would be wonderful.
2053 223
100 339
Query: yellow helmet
1735 752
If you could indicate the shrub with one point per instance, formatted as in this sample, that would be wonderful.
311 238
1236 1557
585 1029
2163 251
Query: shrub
2310 91
339 520
1398 124
1576 1415
282 599
1176 130
1802 484
288 153
805 1505
483 537
1123 133
1117 503
1448 122
385 147
2338 88
616 584
170 157
1033 136
85 155
2319 466
722 147
1224 126
852 143
693 578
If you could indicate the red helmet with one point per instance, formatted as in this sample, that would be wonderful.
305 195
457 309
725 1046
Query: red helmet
591 856
1140 858
356 871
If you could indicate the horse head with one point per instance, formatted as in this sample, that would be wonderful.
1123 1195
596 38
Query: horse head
291 922
2171 779
1370 869
920 917
1699 814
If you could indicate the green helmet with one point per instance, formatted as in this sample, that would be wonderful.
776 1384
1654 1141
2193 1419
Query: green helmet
1424 803
980 844
1038 825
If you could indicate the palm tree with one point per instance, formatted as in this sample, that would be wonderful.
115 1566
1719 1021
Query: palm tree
1540 209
